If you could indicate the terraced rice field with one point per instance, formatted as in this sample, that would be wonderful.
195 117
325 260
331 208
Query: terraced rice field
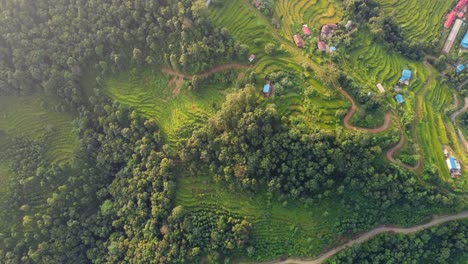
371 64
315 13
276 230
152 95
253 29
421 20
27 116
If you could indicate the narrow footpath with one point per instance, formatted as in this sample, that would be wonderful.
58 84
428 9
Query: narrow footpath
459 111
436 220
213 70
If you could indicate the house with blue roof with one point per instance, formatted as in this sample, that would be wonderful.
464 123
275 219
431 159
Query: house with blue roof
453 166
399 98
267 89
464 43
460 68
405 77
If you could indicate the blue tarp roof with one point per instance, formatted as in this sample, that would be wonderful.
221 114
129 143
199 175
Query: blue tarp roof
452 163
405 76
464 42
399 98
332 48
460 67
266 88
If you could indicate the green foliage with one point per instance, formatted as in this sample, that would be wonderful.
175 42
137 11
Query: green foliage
90 33
441 244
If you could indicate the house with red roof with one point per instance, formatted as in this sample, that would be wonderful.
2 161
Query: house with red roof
321 45
306 30
298 40
327 30
450 18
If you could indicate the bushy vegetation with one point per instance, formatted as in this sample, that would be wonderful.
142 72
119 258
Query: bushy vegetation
39 53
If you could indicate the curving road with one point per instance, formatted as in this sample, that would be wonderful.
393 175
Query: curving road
459 111
353 109
437 220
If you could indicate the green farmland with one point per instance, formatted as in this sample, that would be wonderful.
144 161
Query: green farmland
31 117
422 21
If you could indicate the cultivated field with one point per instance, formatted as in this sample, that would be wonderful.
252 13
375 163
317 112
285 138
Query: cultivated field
30 117
421 20
293 14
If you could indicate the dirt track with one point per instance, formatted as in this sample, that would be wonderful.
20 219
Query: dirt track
352 110
459 111
213 70
374 232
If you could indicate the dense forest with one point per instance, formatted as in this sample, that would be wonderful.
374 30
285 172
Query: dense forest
37 52
114 202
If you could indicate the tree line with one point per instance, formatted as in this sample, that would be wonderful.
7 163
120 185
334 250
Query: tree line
50 45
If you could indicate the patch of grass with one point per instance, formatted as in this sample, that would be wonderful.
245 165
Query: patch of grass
153 95
32 117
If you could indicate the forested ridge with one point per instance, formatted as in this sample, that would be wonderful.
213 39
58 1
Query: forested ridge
114 201
49 45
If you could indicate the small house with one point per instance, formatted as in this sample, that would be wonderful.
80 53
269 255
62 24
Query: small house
349 24
298 40
321 45
450 18
251 57
306 30
464 42
453 166
327 30
405 77
380 88
332 48
460 68
399 98
257 3
267 89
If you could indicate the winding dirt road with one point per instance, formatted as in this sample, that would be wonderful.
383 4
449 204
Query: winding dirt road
353 109
459 111
437 220
213 70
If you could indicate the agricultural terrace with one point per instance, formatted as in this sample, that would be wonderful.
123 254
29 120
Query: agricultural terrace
369 63
421 20
279 229
252 28
34 119
176 109
315 13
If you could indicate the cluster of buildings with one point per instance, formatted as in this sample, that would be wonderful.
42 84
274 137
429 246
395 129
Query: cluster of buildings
457 14
326 32
453 164
404 79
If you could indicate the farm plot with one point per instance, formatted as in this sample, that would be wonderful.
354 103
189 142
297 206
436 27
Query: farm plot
421 20
30 117
276 230
314 13
154 96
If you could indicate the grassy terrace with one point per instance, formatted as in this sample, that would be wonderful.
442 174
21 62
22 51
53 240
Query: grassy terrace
276 230
154 96
421 20
30 117
314 13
